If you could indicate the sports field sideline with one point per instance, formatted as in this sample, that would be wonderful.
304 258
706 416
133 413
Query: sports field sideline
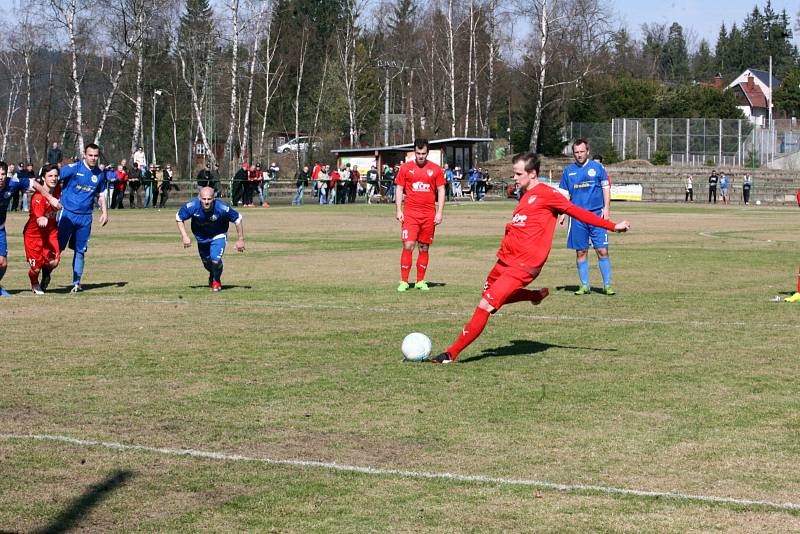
685 382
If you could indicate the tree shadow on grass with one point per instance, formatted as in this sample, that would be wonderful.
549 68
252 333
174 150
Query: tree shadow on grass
573 289
82 505
525 347
87 287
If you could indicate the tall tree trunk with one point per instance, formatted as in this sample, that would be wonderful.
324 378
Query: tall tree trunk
300 67
26 136
271 79
470 54
109 99
451 70
197 111
411 103
139 105
76 82
544 28
246 134
491 60
229 141
11 110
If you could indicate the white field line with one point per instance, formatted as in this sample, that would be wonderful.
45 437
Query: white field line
430 475
465 313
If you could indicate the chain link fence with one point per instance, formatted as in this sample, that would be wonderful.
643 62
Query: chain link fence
692 142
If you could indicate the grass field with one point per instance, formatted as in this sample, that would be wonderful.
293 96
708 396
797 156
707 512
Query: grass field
687 381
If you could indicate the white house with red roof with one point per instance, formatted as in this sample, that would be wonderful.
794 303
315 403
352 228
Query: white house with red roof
753 94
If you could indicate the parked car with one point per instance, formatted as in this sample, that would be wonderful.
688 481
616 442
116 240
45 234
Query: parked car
299 143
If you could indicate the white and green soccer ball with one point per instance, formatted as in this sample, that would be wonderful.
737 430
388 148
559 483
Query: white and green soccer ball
416 347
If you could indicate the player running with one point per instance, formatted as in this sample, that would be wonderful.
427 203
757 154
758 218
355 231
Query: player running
210 221
82 183
589 188
523 250
41 234
7 189
423 183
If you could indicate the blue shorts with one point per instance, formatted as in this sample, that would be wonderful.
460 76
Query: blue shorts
74 230
581 233
213 250
3 243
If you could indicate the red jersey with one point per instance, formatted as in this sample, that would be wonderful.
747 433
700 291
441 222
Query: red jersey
40 207
529 236
419 184
122 179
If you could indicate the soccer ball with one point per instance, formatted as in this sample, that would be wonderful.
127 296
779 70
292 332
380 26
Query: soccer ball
416 347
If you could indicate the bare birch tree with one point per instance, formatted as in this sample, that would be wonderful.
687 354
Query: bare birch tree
14 86
233 5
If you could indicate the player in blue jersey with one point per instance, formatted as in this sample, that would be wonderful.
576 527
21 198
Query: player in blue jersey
82 183
210 221
7 189
589 188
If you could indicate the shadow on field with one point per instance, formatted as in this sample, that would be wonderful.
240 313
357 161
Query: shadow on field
88 287
224 286
573 289
525 347
81 506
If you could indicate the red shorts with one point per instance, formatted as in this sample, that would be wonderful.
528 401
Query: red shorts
41 252
419 229
502 281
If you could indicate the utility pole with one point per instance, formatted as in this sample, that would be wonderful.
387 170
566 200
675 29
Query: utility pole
156 94
386 65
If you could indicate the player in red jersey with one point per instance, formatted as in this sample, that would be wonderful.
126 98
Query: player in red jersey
41 233
423 183
523 250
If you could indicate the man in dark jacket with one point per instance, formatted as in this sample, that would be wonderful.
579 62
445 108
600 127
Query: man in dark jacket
54 155
301 181
134 187
239 182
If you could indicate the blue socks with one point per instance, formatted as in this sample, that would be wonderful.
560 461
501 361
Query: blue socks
583 272
605 270
77 268
217 272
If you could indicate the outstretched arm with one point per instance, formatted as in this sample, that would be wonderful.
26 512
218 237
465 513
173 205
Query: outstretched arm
239 235
187 241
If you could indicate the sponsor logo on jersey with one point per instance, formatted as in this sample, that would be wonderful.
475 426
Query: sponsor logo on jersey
421 187
519 220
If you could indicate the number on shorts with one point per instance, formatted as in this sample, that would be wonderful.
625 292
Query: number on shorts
404 234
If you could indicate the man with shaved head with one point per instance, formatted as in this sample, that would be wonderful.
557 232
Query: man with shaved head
210 221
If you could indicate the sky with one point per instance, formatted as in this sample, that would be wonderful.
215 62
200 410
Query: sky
702 17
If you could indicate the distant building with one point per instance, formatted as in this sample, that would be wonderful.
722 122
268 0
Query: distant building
752 92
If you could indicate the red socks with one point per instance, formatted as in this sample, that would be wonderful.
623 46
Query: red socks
422 265
798 279
405 264
34 277
470 332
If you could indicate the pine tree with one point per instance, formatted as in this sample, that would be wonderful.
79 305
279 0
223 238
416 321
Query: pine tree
703 63
674 56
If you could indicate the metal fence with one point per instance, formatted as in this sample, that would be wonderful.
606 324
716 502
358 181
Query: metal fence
685 141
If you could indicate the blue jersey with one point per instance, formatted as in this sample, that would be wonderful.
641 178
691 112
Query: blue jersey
585 184
11 185
211 224
79 187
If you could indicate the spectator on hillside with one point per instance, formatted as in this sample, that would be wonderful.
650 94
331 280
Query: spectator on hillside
322 184
120 185
134 187
372 183
689 189
334 186
147 185
205 179
54 154
448 178
747 185
239 185
301 182
140 158
315 170
264 180
712 186
355 185
166 185
724 183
